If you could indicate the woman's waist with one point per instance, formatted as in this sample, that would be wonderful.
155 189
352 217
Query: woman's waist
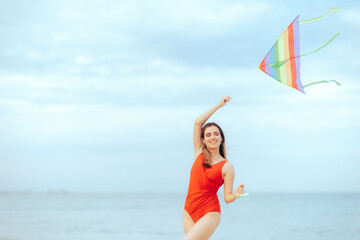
205 194
201 199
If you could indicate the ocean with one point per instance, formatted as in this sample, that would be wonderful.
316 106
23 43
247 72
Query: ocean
135 216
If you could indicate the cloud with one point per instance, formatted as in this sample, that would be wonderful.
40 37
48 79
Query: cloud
351 16
125 34
92 82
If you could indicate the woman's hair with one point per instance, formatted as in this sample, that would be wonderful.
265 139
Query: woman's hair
206 152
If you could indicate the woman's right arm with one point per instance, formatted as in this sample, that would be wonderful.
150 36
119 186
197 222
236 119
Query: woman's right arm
200 121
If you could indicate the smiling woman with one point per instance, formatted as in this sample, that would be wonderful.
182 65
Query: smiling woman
209 172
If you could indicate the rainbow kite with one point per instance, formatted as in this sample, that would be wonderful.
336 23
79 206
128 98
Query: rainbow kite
283 60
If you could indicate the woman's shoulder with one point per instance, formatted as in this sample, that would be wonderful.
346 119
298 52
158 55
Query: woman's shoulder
228 167
198 154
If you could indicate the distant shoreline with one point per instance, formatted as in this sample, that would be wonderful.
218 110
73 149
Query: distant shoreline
70 192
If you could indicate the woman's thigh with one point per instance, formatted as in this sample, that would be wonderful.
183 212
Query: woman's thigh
204 227
188 223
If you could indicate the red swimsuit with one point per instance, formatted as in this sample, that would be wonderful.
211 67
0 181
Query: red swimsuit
203 186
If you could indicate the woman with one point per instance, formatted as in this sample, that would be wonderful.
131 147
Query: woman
209 171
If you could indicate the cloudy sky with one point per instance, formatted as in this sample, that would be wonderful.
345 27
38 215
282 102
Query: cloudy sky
102 95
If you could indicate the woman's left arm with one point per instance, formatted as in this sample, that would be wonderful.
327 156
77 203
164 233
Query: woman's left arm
228 176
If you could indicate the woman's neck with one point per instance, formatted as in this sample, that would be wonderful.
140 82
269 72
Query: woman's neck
215 154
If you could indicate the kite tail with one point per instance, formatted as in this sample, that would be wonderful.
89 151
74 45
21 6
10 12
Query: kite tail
318 18
323 45
312 20
323 81
280 63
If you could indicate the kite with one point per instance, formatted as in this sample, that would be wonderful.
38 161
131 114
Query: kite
283 60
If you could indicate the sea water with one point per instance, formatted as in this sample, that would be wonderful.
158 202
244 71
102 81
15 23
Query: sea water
135 216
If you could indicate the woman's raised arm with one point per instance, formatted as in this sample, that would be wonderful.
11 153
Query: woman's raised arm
200 121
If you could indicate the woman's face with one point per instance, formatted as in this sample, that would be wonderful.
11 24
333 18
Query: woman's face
212 137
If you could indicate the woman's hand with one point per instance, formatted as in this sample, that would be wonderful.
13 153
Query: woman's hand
239 190
224 100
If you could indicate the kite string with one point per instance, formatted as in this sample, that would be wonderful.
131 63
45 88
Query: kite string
315 19
244 197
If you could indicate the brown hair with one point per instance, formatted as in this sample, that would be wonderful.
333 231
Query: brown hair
206 152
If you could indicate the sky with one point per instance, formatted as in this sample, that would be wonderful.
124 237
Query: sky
102 95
